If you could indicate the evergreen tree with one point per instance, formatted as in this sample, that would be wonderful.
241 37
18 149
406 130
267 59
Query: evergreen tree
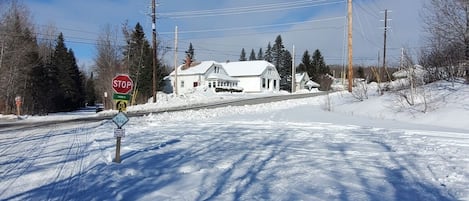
62 62
268 53
252 56
281 58
190 54
361 72
78 82
37 101
319 65
139 58
305 65
90 91
260 55
242 57
285 71
39 90
277 53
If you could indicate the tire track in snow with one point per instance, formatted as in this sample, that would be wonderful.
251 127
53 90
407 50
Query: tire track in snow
27 157
69 172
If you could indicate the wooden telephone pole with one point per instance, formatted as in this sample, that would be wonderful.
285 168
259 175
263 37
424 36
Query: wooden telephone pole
385 32
350 49
155 60
176 60
293 73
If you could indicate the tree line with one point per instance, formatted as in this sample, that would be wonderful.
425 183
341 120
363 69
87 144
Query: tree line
314 65
41 71
36 65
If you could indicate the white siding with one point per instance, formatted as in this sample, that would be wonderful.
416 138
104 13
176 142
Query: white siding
250 84
188 83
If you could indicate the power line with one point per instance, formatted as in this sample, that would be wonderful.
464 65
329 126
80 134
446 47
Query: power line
253 27
248 9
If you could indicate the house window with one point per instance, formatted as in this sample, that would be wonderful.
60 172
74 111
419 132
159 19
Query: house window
268 83
209 85
275 84
263 82
195 84
182 84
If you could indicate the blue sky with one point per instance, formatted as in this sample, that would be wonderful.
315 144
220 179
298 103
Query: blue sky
225 27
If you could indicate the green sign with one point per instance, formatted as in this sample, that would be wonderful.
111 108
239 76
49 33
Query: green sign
121 97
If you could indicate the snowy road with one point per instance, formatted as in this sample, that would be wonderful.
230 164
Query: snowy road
288 150
225 159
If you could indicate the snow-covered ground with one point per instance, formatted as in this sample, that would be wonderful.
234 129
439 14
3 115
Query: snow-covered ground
324 148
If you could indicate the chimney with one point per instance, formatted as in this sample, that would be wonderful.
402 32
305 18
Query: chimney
188 62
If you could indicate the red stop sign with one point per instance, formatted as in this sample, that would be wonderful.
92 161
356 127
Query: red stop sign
122 84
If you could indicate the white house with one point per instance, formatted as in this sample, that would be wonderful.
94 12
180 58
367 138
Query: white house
301 79
254 76
208 74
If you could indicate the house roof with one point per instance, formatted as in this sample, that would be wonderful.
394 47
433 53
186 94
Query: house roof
246 68
198 69
300 76
403 73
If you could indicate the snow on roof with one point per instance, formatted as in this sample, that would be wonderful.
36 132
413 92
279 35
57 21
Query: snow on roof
246 68
418 70
300 76
200 68
312 83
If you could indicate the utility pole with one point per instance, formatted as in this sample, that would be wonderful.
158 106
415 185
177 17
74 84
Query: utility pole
293 72
176 60
385 36
350 49
155 60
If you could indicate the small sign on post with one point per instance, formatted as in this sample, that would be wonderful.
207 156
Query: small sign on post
18 105
122 86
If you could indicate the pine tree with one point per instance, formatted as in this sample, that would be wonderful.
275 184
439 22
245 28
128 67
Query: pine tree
61 62
277 53
285 71
190 53
90 91
252 56
78 82
268 53
361 72
260 55
319 65
37 101
281 58
139 59
38 90
242 56
305 65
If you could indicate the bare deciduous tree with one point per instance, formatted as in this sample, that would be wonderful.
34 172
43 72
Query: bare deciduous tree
46 41
446 23
107 62
18 44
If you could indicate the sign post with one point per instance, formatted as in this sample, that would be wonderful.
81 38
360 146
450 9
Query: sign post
122 86
18 105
